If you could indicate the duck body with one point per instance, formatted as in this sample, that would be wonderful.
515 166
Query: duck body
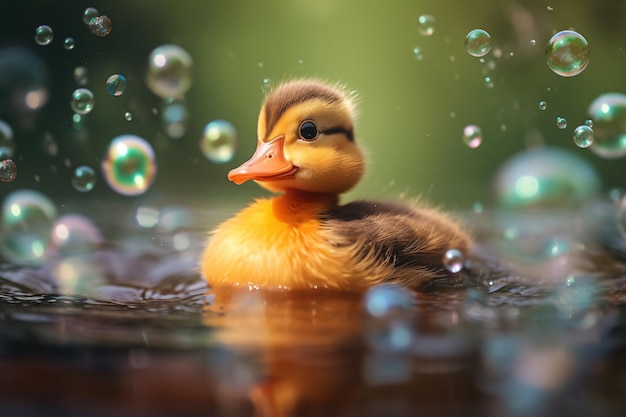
304 238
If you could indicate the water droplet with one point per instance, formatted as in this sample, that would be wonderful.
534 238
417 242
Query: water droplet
219 141
69 44
453 260
567 53
583 136
129 166
472 136
488 82
478 43
116 85
608 112
169 71
88 14
74 234
81 75
175 117
84 179
8 170
426 25
543 105
417 53
7 141
128 116
27 217
100 26
44 35
561 122
82 101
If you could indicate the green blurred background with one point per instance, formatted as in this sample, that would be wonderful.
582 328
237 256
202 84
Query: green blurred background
412 111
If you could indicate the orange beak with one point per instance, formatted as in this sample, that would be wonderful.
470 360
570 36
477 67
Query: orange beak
267 164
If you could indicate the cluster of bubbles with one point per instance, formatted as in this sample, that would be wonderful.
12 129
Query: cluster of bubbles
129 165
426 25
99 25
472 136
219 141
567 53
478 43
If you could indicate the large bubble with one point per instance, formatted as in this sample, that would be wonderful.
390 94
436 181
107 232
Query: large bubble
44 35
169 71
478 43
546 177
129 165
567 53
219 141
74 233
27 217
608 113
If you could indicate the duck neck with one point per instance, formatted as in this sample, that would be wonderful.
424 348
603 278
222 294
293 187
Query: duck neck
298 204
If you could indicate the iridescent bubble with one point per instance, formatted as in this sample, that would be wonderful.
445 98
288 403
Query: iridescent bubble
82 101
543 105
100 26
589 122
219 141
44 35
116 85
129 166
8 170
472 136
561 122
84 179
478 43
69 44
583 136
417 53
453 260
169 71
74 233
608 113
546 177
88 14
81 75
7 141
175 117
27 216
567 53
128 116
426 25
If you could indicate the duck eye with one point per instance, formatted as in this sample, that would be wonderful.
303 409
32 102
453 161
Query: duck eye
308 131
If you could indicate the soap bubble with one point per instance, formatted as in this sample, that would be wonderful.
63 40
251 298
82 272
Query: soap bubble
426 25
608 112
74 233
567 53
472 136
128 116
543 105
583 136
84 179
175 117
116 85
169 71
44 35
453 260
129 166
478 43
88 14
100 26
219 141
589 122
81 75
8 170
561 122
417 53
69 44
82 101
27 216
7 141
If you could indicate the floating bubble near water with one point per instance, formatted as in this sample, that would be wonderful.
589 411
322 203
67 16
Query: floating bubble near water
561 122
27 217
567 53
219 141
169 71
84 179
472 136
453 260
82 101
88 14
69 44
8 170
478 43
583 136
608 113
426 25
75 233
100 26
116 85
129 165
44 35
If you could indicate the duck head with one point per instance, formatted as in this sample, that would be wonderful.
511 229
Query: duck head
305 141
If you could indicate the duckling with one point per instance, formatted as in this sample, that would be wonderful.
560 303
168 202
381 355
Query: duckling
303 238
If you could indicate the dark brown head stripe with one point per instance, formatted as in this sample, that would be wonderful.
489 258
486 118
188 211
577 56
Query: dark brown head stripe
296 92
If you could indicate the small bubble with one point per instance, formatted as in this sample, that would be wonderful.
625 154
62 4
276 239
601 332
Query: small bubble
8 170
219 141
472 136
128 116
129 165
426 25
169 71
589 122
543 105
417 53
174 118
84 179
549 8
533 42
100 26
478 42
69 44
583 136
81 75
561 122
267 85
488 82
567 53
88 14
116 85
44 35
82 101
453 260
